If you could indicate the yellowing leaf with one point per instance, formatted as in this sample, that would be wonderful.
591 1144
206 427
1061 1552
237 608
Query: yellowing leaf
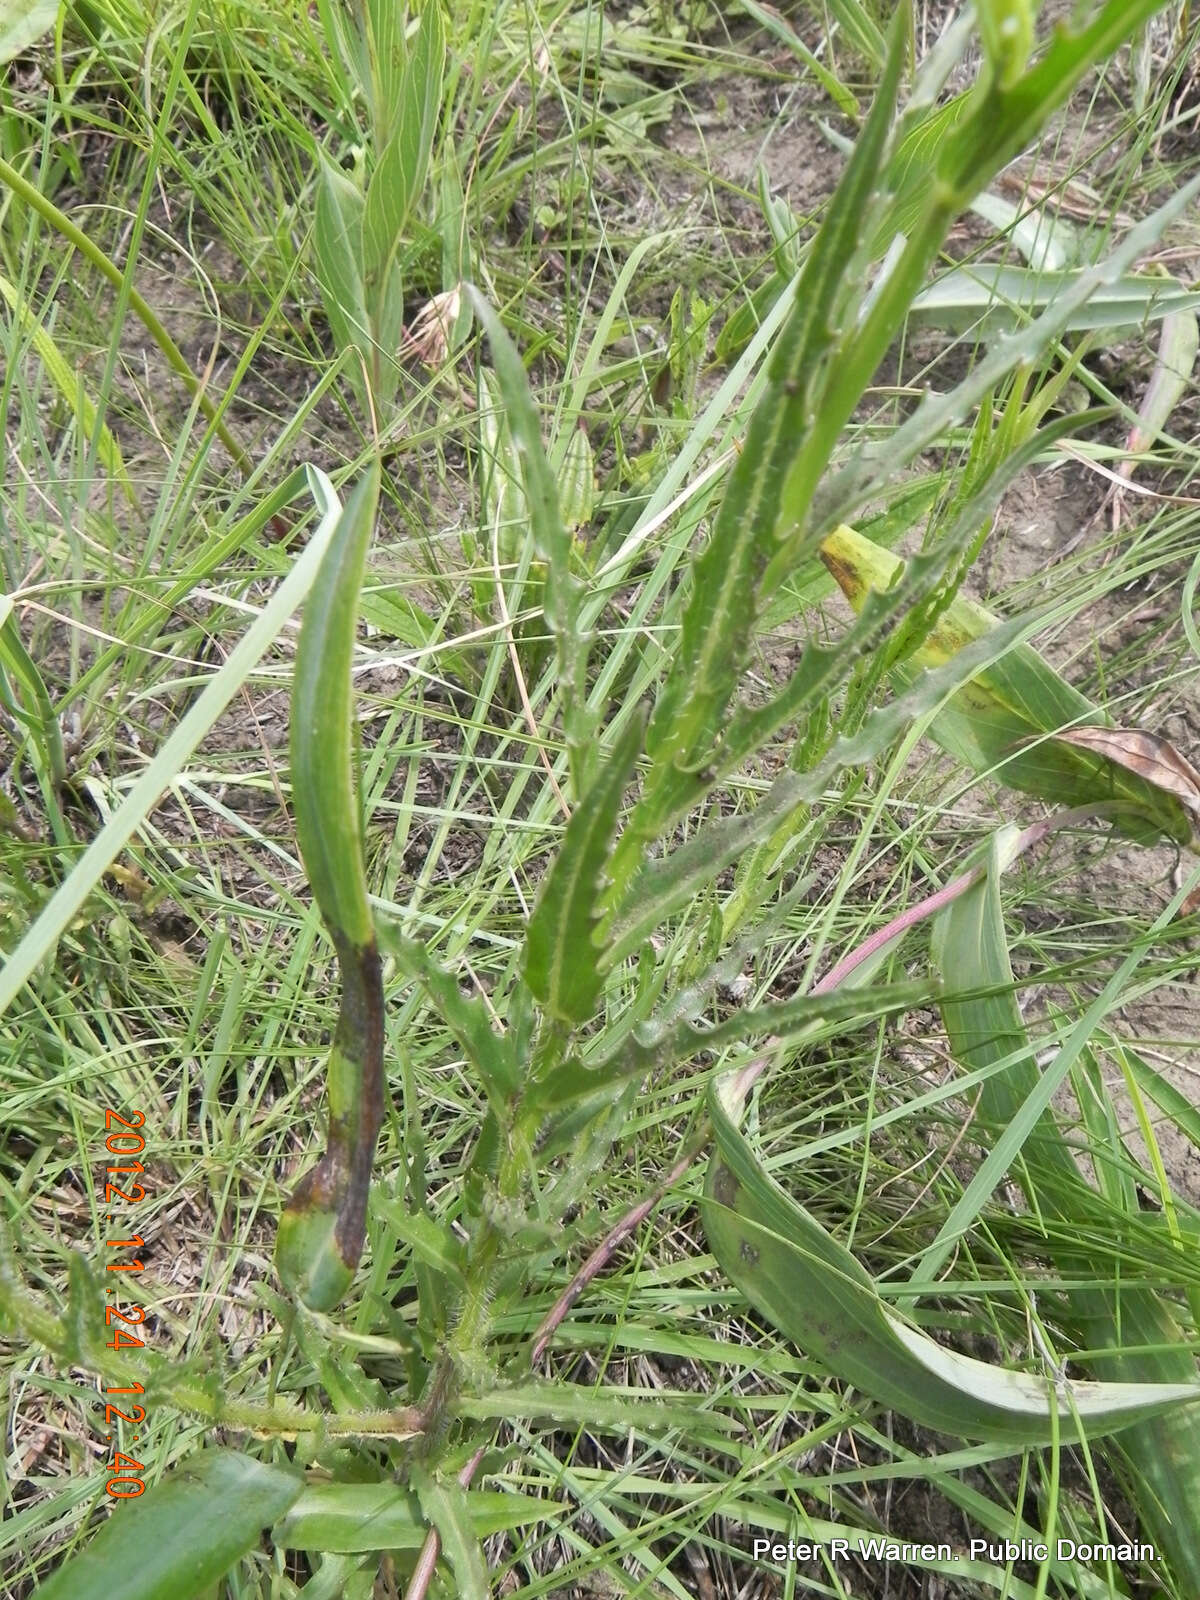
1010 722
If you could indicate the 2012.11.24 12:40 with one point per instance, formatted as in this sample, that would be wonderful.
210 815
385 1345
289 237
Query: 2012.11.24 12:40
126 1142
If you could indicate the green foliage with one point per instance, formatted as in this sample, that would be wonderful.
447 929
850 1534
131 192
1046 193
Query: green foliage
361 225
622 789
196 1525
790 1267
321 1232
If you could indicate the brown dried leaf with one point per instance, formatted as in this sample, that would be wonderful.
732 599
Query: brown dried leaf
1147 754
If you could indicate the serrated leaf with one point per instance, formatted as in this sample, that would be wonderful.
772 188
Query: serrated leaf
188 1530
447 1506
1007 721
492 1054
564 964
793 1271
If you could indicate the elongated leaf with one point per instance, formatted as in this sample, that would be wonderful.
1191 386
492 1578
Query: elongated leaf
815 1292
187 1530
490 1053
874 467
350 1517
337 228
322 726
447 1506
1132 1325
68 899
322 1230
399 177
992 299
724 602
998 724
564 960
601 1408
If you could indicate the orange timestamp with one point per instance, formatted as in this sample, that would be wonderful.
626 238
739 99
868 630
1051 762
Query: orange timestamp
126 1142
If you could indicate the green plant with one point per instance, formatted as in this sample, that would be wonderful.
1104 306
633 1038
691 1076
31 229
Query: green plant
609 990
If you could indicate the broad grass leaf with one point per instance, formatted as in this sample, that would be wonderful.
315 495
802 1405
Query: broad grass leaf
564 963
1148 755
988 299
817 1294
1130 1330
187 1530
1006 722
350 1517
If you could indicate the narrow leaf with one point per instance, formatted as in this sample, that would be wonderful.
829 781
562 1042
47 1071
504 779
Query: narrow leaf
551 539
399 177
351 1517
491 1054
564 964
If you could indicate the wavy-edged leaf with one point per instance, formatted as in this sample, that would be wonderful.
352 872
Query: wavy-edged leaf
188 1530
564 958
817 1294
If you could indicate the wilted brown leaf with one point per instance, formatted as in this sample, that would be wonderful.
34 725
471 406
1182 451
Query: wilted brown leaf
1148 754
